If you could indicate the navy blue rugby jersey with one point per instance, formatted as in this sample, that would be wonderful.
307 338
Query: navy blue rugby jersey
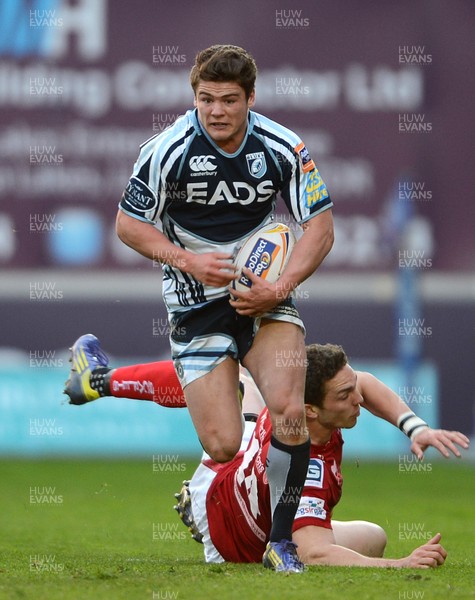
209 200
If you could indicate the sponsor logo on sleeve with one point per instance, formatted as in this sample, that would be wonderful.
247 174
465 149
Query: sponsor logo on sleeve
315 473
138 197
315 190
305 158
311 507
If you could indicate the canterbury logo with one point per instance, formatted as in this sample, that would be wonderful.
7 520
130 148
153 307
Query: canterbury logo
202 163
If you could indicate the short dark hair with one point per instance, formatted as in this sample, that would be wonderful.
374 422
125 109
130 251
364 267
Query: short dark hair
225 63
323 363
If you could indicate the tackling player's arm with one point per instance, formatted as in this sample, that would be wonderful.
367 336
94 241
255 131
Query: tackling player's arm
211 268
381 401
317 546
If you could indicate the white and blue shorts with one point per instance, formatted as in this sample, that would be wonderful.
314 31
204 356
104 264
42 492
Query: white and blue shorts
203 337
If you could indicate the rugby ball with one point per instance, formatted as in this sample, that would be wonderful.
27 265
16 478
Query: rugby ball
266 253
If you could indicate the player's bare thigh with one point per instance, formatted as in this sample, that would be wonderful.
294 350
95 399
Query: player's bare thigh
364 537
214 407
277 363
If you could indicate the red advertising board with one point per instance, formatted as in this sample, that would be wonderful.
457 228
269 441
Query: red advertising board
381 93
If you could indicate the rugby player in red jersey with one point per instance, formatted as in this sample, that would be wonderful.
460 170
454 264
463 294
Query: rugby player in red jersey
231 506
227 506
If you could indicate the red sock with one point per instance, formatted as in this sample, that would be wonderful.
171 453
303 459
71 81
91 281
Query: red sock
155 381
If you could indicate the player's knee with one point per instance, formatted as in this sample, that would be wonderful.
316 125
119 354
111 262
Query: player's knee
221 451
223 455
378 540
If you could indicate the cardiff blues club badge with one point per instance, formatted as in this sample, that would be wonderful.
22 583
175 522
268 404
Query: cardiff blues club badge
256 163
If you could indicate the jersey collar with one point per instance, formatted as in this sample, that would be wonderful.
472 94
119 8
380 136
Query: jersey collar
200 130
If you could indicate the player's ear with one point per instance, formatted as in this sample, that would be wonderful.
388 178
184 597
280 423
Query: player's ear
311 411
251 99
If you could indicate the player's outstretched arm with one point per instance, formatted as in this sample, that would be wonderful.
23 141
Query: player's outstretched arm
316 546
431 554
440 439
381 401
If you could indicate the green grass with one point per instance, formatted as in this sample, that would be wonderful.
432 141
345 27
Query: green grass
96 541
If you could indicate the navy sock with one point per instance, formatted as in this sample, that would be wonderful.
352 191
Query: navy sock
286 470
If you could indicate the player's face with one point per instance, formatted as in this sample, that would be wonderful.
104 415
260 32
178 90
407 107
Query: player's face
341 406
222 110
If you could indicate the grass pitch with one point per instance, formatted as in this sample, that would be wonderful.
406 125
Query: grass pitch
87 529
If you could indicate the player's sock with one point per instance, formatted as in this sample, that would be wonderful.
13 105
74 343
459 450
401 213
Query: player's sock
286 470
155 381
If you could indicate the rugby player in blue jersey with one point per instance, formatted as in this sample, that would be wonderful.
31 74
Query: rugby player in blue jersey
197 191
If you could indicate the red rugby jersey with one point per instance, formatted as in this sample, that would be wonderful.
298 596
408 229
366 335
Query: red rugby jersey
238 502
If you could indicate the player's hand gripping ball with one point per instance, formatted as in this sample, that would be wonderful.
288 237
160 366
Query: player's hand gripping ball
266 253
